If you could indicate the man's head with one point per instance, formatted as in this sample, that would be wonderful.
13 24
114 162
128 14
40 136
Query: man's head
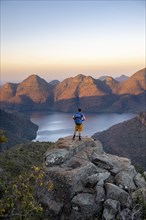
79 109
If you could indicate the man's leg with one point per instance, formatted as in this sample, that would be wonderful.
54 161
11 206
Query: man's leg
79 135
74 134
80 131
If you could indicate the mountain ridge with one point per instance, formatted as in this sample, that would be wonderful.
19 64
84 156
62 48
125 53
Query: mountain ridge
93 95
121 78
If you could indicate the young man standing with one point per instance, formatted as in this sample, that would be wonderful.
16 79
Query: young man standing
78 119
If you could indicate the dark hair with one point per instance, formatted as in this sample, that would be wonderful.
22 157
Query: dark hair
79 109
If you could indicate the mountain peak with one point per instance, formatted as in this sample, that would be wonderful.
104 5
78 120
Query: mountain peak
36 88
7 91
34 78
80 76
54 82
83 78
122 78
135 84
9 85
109 79
102 78
140 74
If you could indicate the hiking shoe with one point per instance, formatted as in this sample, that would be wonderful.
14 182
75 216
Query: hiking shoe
73 137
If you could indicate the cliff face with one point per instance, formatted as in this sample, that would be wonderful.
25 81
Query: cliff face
92 95
127 139
17 128
88 183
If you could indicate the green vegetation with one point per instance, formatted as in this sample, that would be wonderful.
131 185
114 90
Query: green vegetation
22 157
3 138
140 170
22 176
139 208
139 204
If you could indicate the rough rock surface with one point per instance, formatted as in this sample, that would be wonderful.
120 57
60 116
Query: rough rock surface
88 183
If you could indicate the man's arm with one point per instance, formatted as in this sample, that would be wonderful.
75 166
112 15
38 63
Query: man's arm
83 117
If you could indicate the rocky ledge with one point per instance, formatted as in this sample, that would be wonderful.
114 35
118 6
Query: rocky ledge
90 184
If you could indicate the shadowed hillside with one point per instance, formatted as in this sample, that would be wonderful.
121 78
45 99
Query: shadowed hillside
127 139
17 128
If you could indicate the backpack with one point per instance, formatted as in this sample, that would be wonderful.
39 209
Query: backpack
78 118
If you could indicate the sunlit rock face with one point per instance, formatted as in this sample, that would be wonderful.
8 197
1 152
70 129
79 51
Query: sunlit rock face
33 93
87 182
135 85
92 95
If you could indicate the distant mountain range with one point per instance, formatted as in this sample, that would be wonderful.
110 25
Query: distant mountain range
126 139
92 95
122 78
119 79
54 82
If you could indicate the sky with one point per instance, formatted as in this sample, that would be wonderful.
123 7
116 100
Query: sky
60 39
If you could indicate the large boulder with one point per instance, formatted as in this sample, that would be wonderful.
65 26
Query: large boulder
114 192
87 182
111 208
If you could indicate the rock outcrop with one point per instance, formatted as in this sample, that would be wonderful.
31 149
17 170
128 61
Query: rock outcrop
88 183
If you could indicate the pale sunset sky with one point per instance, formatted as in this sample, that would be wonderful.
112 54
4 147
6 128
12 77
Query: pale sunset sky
59 39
